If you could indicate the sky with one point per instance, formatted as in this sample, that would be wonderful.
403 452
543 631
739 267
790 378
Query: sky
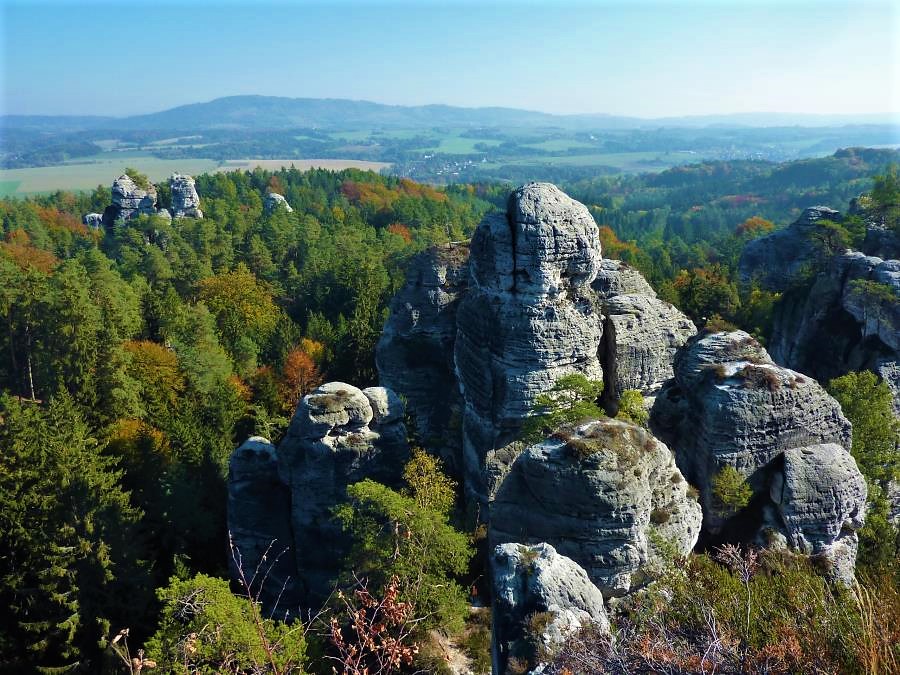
642 58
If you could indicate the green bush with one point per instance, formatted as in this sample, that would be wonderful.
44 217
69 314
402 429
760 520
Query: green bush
867 403
394 535
204 628
631 407
730 491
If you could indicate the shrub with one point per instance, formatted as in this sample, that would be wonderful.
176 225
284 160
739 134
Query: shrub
730 491
697 619
206 628
631 407
395 536
660 516
140 179
717 370
476 641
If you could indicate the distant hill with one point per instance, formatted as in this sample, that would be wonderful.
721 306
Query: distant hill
274 112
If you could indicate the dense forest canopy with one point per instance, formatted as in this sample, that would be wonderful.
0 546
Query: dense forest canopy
134 359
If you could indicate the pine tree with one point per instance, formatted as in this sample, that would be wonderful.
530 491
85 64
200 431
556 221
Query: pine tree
69 568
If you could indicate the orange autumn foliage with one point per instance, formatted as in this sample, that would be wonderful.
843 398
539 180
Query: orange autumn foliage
382 198
240 387
19 250
612 246
58 220
132 439
754 226
299 376
401 230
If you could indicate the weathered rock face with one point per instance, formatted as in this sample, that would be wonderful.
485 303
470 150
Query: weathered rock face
532 302
596 493
617 278
415 352
259 507
881 240
185 200
640 337
531 583
846 317
819 497
730 405
275 201
129 201
640 332
528 318
338 435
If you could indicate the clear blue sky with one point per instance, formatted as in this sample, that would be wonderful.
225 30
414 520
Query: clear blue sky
633 58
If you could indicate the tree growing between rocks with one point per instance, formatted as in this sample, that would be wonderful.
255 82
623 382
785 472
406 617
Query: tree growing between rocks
574 398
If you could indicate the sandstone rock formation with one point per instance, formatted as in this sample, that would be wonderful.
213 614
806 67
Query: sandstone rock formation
259 507
528 318
274 201
185 200
838 313
415 352
617 278
338 435
780 260
94 220
730 405
532 302
640 337
129 201
600 494
536 588
819 496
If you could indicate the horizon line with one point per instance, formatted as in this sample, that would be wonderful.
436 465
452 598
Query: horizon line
884 113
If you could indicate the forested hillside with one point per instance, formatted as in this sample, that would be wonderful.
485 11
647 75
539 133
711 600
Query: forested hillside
135 358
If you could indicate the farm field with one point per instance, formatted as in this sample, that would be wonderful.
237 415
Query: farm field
101 170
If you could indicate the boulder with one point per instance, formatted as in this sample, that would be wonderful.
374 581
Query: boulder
185 200
729 405
820 497
540 598
275 201
603 494
615 277
528 318
259 507
641 334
